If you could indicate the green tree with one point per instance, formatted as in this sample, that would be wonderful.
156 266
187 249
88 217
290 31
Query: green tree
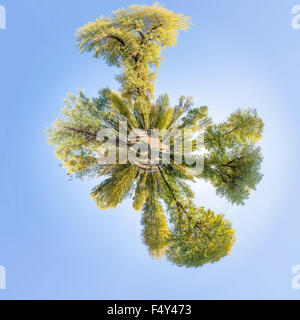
133 39
155 225
199 236
233 161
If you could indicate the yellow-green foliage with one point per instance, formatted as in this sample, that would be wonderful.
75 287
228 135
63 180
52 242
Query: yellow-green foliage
199 236
156 231
114 189
141 192
233 161
133 39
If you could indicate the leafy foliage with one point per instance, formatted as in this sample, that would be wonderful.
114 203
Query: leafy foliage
198 237
155 226
233 161
133 39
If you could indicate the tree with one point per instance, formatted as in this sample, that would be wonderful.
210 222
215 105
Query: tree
233 161
199 236
155 226
133 39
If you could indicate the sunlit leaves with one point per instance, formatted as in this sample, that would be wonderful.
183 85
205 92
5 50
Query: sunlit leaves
114 189
199 236
132 39
155 226
233 161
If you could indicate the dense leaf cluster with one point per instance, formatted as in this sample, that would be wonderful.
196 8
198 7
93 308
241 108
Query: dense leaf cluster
133 39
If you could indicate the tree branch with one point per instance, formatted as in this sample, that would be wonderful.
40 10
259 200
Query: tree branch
178 204
116 38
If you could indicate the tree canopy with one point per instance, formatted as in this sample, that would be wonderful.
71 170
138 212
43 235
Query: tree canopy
199 236
132 39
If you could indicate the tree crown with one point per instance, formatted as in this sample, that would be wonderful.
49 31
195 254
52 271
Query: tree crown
133 39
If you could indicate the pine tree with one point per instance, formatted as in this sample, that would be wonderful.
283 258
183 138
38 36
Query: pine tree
133 39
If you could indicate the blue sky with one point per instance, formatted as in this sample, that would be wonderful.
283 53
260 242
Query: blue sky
54 242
